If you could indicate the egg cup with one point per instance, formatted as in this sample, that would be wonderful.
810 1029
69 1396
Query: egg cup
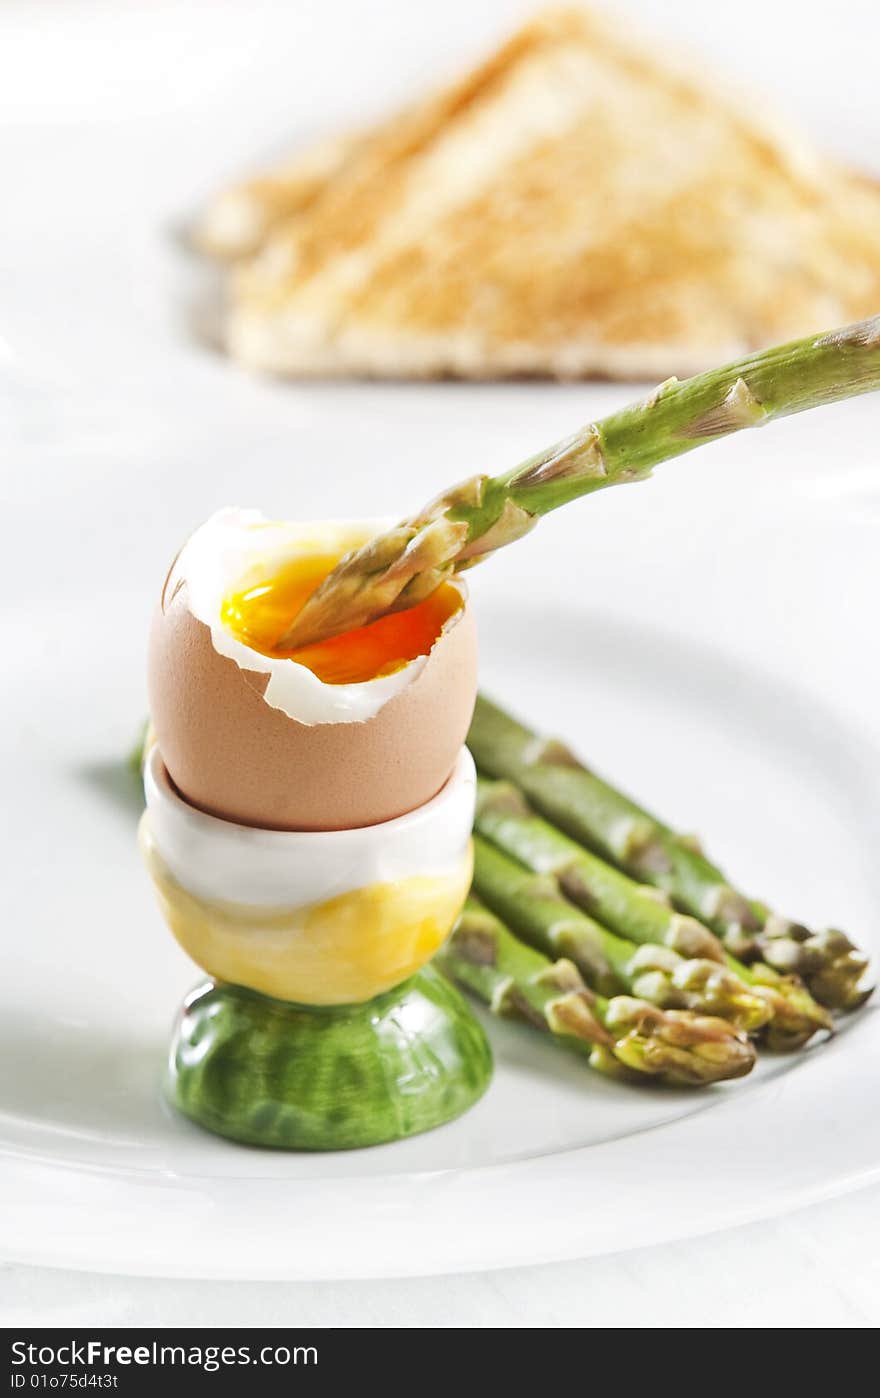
322 1026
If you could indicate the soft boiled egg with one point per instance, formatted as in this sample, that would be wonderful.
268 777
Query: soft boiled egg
351 732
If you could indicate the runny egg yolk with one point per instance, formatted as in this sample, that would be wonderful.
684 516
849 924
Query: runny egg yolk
261 611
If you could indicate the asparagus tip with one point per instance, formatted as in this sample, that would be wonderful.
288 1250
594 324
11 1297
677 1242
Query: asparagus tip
832 967
796 1016
677 1046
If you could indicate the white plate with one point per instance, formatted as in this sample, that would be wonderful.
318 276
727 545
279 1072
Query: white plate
96 1172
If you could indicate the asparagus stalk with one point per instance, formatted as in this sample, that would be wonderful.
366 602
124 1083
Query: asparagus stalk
473 519
594 813
611 964
622 1037
633 910
652 951
791 1016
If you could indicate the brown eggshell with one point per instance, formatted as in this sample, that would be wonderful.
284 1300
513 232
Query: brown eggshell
233 755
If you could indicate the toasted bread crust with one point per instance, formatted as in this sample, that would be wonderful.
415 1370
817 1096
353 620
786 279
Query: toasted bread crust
575 206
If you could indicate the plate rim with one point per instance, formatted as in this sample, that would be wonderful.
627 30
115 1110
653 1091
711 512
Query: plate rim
456 1220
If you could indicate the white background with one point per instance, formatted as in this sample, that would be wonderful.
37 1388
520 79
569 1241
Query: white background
115 120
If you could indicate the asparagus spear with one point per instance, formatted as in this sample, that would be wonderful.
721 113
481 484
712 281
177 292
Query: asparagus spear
595 814
622 1037
633 910
792 1016
473 519
612 964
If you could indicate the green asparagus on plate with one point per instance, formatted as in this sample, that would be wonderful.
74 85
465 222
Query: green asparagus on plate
621 1036
593 813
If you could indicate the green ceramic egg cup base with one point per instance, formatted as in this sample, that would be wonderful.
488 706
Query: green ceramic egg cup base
302 1077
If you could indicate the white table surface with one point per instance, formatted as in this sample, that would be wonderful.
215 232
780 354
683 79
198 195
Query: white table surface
819 1267
116 120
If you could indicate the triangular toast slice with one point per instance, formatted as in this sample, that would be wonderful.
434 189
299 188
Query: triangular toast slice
240 219
576 206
